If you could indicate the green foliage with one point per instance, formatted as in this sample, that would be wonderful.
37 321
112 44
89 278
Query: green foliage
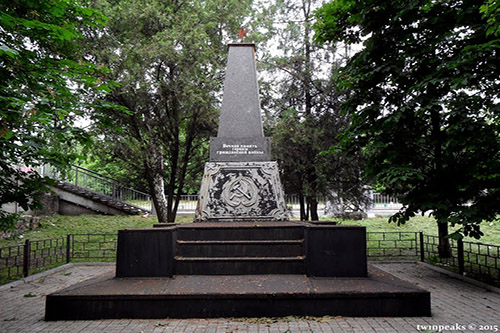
105 158
8 220
424 101
491 12
305 103
43 84
335 172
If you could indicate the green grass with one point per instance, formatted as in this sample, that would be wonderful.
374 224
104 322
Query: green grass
60 226
428 225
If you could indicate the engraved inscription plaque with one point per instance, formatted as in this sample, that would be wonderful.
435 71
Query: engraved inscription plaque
253 149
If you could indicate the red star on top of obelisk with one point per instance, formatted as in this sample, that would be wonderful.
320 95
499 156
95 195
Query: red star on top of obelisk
242 33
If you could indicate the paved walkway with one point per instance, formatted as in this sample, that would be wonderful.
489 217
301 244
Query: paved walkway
456 307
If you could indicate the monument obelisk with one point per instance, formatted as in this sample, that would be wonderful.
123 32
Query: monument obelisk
241 183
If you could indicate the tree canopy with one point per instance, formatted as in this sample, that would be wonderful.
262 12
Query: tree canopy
425 92
43 81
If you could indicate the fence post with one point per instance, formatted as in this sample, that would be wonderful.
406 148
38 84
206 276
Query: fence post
27 258
422 253
76 176
461 264
68 248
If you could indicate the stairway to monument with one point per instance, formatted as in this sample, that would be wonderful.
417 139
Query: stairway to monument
94 192
235 250
107 200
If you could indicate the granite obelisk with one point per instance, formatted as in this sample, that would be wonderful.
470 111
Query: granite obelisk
241 183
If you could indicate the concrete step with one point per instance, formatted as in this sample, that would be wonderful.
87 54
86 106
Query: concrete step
228 231
191 296
241 248
239 265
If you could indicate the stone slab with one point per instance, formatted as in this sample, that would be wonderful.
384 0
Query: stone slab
241 191
197 296
335 250
145 252
240 113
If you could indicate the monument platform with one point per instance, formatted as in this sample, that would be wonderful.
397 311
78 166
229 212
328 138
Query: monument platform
272 269
212 296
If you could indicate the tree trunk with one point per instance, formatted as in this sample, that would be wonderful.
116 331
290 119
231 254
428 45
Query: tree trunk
313 206
306 10
173 162
185 161
303 216
154 174
444 248
173 147
159 199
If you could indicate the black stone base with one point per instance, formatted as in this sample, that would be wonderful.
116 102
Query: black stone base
316 249
145 252
196 296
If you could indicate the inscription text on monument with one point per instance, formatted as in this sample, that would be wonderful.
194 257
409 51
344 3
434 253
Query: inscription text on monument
239 149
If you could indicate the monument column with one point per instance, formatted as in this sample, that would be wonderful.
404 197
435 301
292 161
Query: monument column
241 182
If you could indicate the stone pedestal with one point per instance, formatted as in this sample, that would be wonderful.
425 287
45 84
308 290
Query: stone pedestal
244 269
241 191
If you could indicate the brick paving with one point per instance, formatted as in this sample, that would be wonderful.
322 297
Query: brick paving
461 306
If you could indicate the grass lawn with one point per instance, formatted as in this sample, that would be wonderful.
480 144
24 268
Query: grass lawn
429 226
59 226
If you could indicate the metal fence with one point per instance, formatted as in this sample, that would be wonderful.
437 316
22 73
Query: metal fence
32 256
86 247
380 201
477 260
98 183
397 245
